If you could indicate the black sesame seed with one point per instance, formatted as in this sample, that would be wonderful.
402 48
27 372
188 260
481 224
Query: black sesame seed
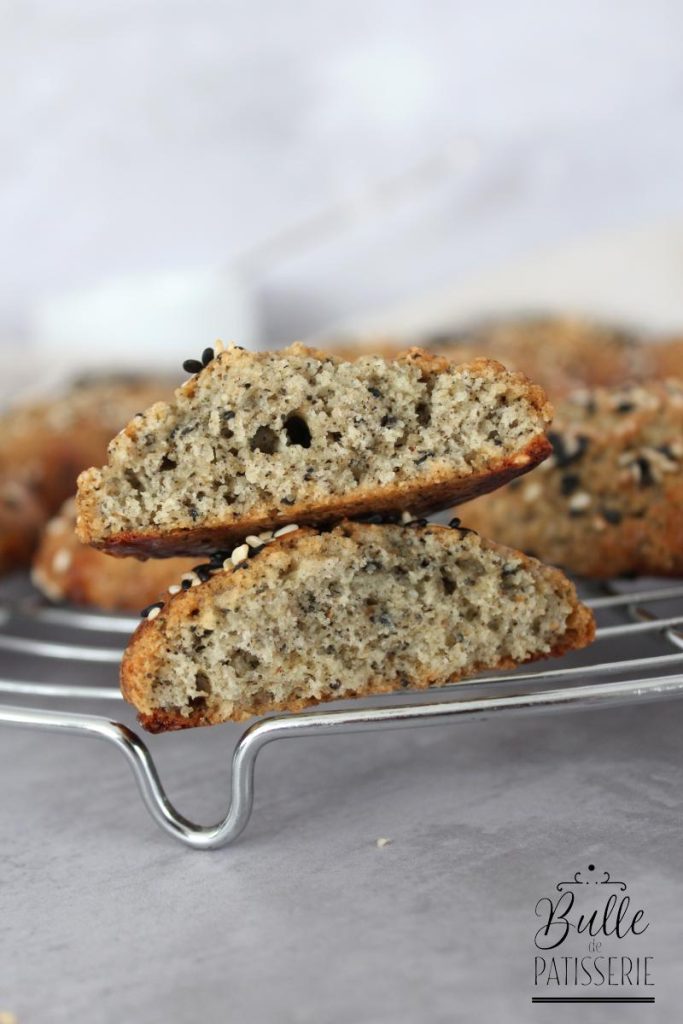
510 570
375 392
207 356
454 523
417 522
612 515
646 477
288 501
374 520
387 421
569 483
204 571
667 450
186 584
150 607
392 518
625 407
563 455
194 513
193 366
423 458
227 414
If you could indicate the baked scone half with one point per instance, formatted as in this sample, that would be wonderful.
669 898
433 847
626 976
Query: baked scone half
362 609
608 503
64 569
560 352
256 440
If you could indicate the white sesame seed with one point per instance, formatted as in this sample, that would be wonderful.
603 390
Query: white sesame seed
580 501
240 554
62 560
532 491
266 536
255 542
175 588
189 576
56 526
406 517
286 529
153 612
382 842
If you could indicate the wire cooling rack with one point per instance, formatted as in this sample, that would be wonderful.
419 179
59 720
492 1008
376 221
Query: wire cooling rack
644 622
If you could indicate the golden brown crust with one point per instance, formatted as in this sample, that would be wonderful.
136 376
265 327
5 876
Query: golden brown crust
613 509
148 642
66 570
436 489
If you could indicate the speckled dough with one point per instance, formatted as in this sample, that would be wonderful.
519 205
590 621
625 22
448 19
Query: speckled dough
256 440
359 610
609 501
64 569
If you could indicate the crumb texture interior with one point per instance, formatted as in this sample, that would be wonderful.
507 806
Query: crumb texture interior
349 612
271 430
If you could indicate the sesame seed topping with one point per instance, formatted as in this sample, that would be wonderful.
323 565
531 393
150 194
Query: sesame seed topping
61 560
207 356
152 610
240 554
254 542
266 536
569 483
285 529
175 588
406 517
579 503
193 366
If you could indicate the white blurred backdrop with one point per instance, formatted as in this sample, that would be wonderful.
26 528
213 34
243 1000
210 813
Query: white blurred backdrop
268 168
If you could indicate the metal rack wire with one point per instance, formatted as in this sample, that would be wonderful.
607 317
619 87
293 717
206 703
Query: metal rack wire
601 683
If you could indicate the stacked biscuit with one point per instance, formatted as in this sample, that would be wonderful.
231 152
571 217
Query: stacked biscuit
290 473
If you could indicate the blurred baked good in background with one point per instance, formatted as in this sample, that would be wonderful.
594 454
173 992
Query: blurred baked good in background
66 570
608 501
45 444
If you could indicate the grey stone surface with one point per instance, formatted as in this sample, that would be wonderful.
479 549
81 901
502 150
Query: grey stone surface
304 918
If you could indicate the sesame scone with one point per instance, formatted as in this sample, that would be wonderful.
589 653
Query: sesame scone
608 502
64 569
363 609
45 445
561 353
256 440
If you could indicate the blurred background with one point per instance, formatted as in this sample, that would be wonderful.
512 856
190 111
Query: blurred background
175 171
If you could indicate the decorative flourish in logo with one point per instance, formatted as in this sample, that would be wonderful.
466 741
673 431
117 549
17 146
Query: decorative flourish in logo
578 880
